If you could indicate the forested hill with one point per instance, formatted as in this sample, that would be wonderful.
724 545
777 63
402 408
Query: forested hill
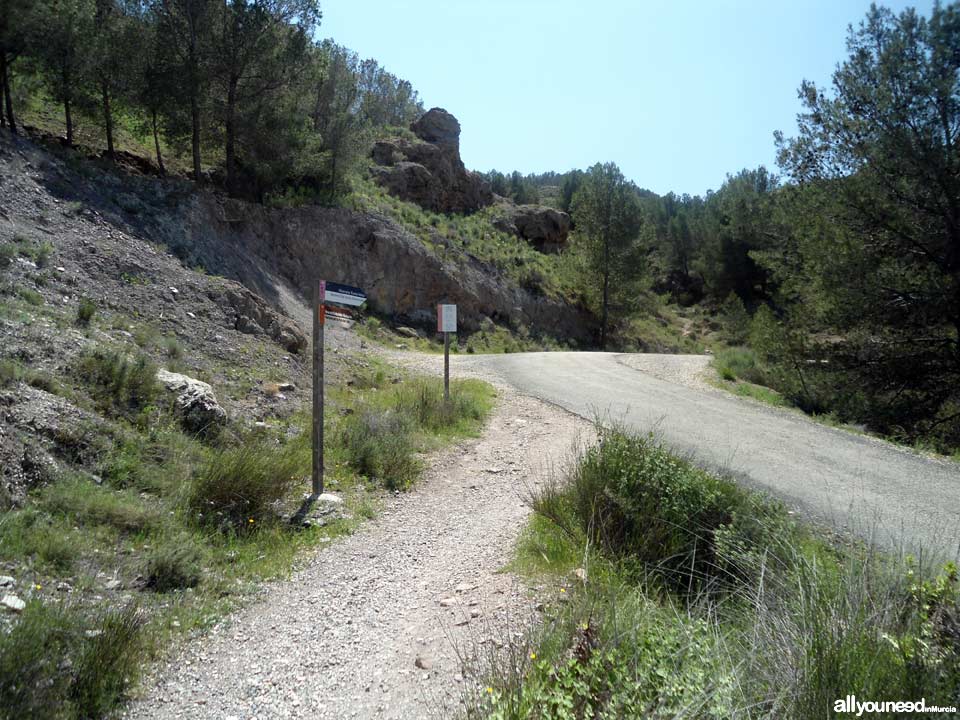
237 93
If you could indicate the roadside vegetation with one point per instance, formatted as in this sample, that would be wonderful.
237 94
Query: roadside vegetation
677 593
147 533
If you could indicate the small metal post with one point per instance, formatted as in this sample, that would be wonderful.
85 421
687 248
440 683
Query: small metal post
446 367
319 292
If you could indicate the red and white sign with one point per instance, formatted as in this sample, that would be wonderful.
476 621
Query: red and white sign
447 318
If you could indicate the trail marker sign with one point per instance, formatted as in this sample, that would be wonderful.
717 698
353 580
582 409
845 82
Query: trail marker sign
446 324
447 318
337 301
345 295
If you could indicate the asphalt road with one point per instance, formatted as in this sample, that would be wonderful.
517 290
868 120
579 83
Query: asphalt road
852 482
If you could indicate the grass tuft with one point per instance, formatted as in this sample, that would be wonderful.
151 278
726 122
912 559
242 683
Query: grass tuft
118 383
237 487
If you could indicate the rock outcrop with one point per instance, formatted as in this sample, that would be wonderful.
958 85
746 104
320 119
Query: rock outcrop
429 171
196 404
259 246
251 315
543 227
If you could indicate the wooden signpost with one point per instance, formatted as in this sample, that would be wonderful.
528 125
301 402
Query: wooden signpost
338 302
446 323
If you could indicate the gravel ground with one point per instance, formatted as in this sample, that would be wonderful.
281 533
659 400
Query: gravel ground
688 370
371 627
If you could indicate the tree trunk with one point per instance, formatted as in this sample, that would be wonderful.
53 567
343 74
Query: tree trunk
156 142
230 131
69 117
7 101
107 117
604 311
195 140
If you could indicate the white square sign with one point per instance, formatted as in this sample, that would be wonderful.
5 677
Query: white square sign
446 318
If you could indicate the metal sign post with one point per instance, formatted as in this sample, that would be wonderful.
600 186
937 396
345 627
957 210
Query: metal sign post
319 318
446 323
340 299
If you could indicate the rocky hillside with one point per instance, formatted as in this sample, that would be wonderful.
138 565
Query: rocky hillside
277 253
79 274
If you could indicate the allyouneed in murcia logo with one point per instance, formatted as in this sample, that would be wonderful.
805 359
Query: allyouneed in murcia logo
850 705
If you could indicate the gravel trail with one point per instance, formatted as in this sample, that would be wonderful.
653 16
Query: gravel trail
342 637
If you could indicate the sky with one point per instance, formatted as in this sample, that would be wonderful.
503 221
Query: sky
679 93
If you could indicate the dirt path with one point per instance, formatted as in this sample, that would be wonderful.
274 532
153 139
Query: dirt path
341 638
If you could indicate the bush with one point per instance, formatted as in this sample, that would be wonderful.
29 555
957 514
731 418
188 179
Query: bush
10 372
55 663
8 252
422 400
41 255
174 565
236 487
633 499
171 347
739 363
379 445
119 383
28 533
805 623
85 311
90 504
107 662
31 296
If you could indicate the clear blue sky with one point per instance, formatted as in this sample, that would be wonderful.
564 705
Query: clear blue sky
677 92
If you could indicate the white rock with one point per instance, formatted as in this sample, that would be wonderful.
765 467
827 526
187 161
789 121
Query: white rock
12 602
330 498
196 402
7 582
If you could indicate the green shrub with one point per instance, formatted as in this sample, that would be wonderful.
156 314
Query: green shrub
175 564
635 500
422 400
119 383
41 256
55 663
85 311
145 336
108 662
739 363
91 504
171 347
236 488
8 252
31 534
379 445
10 372
31 296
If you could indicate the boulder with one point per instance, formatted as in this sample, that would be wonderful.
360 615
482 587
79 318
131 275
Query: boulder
429 171
199 410
438 127
543 227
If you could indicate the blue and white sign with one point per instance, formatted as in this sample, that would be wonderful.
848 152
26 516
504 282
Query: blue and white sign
346 295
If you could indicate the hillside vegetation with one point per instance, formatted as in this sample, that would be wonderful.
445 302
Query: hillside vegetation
677 593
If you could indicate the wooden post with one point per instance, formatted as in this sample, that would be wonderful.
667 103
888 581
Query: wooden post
446 367
319 317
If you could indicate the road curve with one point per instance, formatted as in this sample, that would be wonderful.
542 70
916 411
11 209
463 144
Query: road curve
854 483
